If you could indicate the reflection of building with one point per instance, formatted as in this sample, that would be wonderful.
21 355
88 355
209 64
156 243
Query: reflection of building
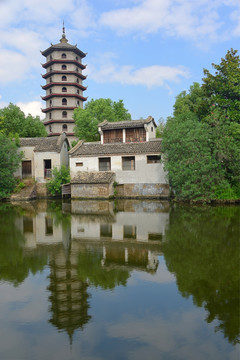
91 220
68 295
95 242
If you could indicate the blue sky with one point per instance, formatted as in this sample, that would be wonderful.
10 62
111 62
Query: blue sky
144 52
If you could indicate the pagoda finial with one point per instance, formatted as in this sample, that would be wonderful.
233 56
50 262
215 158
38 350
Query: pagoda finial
63 39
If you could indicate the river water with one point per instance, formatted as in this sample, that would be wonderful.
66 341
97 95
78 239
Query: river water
119 280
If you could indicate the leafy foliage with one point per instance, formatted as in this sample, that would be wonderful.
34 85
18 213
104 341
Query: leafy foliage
95 112
202 141
60 176
13 121
9 162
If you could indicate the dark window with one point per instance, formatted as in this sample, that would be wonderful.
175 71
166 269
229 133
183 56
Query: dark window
129 231
64 89
79 164
64 127
50 115
64 114
64 78
64 56
64 101
106 230
104 164
48 226
47 168
153 159
64 67
50 91
27 224
128 163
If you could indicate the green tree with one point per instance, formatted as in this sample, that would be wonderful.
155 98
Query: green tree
95 112
13 121
192 169
60 176
222 89
9 162
206 126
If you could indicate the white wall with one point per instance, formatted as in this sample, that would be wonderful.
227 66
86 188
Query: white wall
143 173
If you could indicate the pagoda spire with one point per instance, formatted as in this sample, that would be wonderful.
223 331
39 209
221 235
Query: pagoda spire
63 39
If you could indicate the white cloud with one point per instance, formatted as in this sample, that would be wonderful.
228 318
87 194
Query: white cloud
149 76
32 107
196 20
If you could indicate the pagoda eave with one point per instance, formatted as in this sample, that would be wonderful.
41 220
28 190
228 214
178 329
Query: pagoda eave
47 97
63 83
58 108
66 121
59 133
63 61
60 47
63 72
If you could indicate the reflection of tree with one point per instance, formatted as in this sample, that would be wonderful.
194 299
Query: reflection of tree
202 250
90 269
15 264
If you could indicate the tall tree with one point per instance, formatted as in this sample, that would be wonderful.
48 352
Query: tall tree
222 89
9 162
95 112
205 131
13 121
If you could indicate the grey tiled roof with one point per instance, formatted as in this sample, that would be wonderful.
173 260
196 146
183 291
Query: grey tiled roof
94 149
43 144
87 177
125 124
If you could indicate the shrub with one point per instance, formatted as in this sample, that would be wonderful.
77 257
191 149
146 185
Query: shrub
60 176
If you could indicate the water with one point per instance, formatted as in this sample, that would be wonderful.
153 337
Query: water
119 280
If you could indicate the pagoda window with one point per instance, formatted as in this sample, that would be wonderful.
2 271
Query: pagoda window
50 91
77 80
77 91
64 56
64 127
64 101
77 69
64 67
64 89
50 57
50 80
64 78
50 128
77 58
50 102
50 115
78 103
64 114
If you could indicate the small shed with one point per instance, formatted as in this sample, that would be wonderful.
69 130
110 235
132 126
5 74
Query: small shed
93 184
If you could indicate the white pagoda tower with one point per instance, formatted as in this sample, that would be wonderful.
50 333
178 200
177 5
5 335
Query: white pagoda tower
64 88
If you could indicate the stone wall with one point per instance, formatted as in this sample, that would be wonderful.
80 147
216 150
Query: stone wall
142 190
91 190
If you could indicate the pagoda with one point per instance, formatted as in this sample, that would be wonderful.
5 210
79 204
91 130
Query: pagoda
64 88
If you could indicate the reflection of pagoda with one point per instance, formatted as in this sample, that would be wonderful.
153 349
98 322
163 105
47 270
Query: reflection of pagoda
69 297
